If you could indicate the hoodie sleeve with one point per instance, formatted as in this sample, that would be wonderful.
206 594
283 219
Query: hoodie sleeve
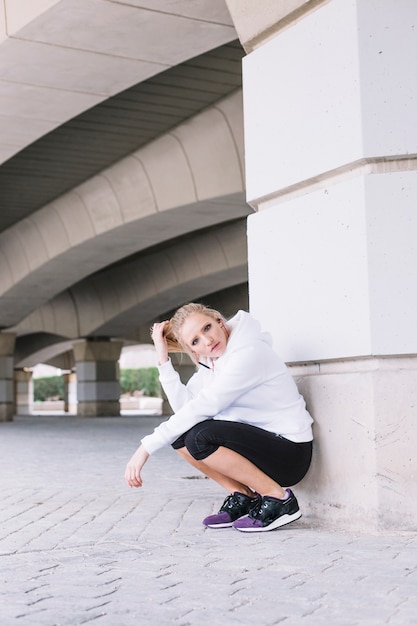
240 372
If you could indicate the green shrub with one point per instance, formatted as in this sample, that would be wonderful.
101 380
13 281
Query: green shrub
47 388
145 379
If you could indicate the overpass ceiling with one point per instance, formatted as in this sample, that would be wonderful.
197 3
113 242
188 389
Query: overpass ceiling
101 136
104 134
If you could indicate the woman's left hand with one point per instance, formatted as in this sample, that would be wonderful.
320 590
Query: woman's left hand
158 337
134 467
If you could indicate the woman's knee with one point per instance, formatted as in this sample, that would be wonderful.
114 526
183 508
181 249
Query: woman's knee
200 442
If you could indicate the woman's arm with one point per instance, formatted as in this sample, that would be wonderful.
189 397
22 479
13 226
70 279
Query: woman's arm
160 342
134 467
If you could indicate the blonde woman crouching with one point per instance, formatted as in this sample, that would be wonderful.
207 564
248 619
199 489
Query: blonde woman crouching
240 419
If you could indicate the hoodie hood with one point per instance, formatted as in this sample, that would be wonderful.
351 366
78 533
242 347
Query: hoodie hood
244 329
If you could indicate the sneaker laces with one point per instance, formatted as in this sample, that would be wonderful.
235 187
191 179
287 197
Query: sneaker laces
255 508
230 502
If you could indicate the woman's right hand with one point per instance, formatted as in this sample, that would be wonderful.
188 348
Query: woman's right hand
134 467
160 342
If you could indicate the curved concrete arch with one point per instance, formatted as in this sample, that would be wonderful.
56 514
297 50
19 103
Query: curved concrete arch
117 301
52 67
44 348
54 350
186 180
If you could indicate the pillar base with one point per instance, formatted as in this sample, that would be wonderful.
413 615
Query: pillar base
6 412
97 375
101 408
7 399
70 392
166 407
364 468
23 391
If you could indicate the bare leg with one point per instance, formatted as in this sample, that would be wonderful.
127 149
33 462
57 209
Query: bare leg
225 481
235 465
230 469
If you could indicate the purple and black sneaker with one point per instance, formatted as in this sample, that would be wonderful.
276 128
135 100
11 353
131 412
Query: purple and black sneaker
270 513
235 506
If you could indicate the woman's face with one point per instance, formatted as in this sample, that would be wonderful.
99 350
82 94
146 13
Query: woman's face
204 335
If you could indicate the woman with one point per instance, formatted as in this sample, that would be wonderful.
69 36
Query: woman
240 419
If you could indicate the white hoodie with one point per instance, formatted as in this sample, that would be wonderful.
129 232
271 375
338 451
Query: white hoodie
248 383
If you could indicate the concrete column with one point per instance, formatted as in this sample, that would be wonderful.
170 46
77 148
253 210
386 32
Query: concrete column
70 392
166 407
185 368
329 101
97 368
23 385
7 407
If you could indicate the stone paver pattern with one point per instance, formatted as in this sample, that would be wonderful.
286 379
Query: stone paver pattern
77 546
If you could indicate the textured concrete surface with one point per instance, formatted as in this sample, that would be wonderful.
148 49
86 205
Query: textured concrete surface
52 67
78 546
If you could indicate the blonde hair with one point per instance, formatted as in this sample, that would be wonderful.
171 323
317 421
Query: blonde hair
173 329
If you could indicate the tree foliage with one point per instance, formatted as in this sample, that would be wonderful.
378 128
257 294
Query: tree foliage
145 379
50 387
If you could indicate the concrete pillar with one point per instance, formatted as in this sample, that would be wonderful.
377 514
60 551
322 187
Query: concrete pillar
185 368
97 369
7 408
70 392
329 101
166 407
23 386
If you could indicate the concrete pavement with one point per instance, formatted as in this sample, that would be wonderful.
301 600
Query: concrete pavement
78 546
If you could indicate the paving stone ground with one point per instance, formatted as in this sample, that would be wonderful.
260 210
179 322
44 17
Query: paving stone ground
77 546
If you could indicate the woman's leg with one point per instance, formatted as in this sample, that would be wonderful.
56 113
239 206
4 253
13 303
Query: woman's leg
236 505
233 453
225 481
230 469
247 454
236 468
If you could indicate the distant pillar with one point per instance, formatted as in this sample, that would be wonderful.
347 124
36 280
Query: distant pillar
166 407
23 389
185 368
7 341
70 392
97 369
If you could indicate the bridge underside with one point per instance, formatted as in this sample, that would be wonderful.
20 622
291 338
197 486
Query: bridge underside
122 175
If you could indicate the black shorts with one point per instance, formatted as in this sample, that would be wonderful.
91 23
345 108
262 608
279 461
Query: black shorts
284 461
